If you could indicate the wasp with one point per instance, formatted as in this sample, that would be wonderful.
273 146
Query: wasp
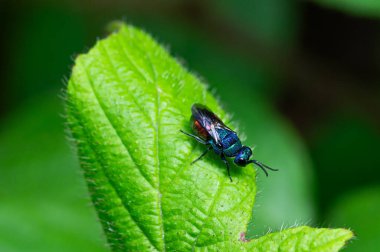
211 131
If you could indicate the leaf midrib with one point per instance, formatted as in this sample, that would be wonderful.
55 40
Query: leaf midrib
154 125
131 156
154 82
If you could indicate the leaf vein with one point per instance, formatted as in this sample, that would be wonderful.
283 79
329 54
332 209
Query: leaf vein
110 180
147 117
217 194
158 151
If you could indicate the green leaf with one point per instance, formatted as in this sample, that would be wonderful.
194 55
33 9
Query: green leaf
367 8
127 101
43 207
263 19
303 239
27 75
339 137
284 203
359 210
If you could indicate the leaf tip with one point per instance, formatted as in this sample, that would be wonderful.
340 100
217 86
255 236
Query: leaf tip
115 26
347 234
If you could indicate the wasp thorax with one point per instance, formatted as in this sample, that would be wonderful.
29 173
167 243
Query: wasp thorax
242 158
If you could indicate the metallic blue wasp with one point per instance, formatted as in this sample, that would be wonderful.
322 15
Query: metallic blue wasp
212 132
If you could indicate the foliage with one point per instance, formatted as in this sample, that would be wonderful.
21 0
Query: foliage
284 203
359 210
42 204
369 8
127 100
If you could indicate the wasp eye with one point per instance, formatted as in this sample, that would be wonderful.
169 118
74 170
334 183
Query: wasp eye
240 161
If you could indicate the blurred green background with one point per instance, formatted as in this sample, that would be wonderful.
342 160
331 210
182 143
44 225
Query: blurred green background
301 78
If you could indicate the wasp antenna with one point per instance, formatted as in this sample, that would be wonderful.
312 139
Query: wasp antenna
263 166
269 168
259 165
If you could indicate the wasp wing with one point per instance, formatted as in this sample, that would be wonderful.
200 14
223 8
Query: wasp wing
209 121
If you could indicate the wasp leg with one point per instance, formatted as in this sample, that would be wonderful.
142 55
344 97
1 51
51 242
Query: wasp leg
195 137
227 164
201 156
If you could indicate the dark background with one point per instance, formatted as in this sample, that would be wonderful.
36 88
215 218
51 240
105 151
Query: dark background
309 70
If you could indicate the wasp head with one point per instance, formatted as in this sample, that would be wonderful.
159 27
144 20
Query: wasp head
242 158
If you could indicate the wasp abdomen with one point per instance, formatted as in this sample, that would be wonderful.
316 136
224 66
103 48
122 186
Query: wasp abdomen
231 144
